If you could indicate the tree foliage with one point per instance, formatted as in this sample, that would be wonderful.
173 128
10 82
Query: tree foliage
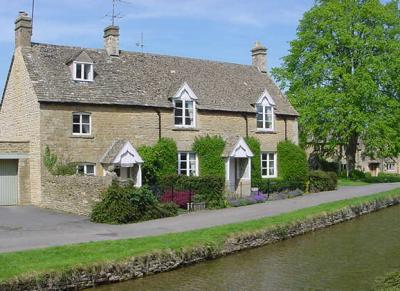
343 76
292 162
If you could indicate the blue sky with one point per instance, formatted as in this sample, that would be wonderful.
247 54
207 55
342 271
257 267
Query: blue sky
223 30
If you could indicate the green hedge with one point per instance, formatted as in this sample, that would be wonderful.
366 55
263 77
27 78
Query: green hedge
209 189
254 145
209 150
280 185
126 204
322 181
292 162
382 178
159 160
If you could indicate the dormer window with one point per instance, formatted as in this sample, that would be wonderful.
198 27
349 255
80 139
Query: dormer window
265 112
83 72
185 107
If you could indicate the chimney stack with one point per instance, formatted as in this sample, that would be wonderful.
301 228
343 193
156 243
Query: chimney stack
23 30
259 57
111 40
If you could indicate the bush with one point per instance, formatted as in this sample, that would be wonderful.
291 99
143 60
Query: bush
382 178
322 181
126 204
50 161
206 189
254 146
159 160
317 162
356 175
280 185
292 163
209 150
114 208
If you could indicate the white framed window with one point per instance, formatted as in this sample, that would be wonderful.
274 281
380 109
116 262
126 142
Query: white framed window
81 124
187 164
265 117
184 113
268 165
83 71
390 167
86 169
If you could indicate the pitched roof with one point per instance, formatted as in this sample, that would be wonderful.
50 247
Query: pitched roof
148 80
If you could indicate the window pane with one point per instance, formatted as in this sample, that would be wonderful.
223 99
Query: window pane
85 128
188 121
78 71
76 118
183 156
85 118
87 69
76 128
80 169
268 125
271 171
264 172
259 109
89 169
271 156
259 124
178 104
178 120
189 104
178 112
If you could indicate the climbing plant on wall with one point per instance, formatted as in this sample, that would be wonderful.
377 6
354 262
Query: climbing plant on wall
209 150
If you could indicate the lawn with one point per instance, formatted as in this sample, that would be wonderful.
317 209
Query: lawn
348 182
59 259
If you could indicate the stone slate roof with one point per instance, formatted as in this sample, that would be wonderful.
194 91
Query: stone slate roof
148 80
113 151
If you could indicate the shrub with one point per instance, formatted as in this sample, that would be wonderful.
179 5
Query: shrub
356 175
114 208
382 178
50 161
209 150
207 189
317 162
126 204
159 160
292 162
280 185
254 146
322 181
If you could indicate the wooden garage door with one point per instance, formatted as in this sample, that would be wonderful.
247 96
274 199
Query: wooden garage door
8 182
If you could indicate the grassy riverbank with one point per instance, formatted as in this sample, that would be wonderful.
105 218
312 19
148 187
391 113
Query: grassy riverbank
390 281
61 259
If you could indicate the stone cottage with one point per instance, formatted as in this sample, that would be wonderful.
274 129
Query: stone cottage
97 106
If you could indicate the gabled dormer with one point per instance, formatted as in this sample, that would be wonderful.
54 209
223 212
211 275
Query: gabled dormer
185 107
82 67
265 112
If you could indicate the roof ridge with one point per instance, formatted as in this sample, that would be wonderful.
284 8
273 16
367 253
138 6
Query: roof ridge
146 54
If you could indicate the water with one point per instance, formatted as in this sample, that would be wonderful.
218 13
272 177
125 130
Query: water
348 256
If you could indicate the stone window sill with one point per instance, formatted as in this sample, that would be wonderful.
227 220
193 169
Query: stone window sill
82 136
266 132
185 129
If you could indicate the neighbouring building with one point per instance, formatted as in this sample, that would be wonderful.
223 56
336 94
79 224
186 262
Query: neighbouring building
97 106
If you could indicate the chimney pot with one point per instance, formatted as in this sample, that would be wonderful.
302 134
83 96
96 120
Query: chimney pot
259 57
111 40
23 30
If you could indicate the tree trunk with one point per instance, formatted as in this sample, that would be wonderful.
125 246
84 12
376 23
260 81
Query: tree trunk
351 151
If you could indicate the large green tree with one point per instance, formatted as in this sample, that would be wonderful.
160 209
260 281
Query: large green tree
342 74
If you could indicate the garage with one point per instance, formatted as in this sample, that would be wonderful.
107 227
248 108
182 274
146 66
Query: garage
8 182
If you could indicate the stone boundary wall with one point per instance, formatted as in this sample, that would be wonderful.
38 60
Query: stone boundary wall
136 267
73 194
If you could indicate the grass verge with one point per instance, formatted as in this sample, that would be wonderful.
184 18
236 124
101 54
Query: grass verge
390 281
59 259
